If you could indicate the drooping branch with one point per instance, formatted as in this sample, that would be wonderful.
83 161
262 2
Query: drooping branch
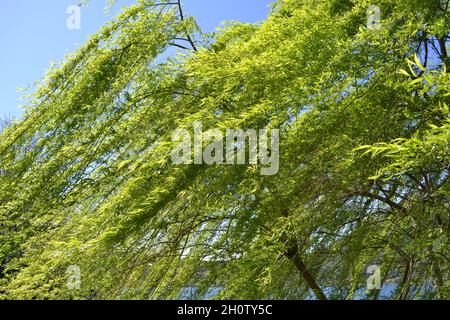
189 38
178 46
367 194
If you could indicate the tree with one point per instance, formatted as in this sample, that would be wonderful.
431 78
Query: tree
363 174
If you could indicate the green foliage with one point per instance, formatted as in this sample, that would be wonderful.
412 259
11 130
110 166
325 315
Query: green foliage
86 177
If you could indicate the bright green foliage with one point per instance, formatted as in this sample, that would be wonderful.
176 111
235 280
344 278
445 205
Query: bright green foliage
86 178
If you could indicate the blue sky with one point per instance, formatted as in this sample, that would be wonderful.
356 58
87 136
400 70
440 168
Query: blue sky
34 32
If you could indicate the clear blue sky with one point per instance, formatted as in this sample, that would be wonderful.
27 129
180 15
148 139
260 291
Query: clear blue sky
34 32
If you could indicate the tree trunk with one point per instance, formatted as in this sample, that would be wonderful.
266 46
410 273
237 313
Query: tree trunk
295 258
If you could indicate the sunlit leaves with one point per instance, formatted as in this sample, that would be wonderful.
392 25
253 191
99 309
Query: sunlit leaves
87 179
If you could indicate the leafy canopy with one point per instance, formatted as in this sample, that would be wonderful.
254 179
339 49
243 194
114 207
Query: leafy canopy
86 177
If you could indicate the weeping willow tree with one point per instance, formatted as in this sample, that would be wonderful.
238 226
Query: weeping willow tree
87 179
